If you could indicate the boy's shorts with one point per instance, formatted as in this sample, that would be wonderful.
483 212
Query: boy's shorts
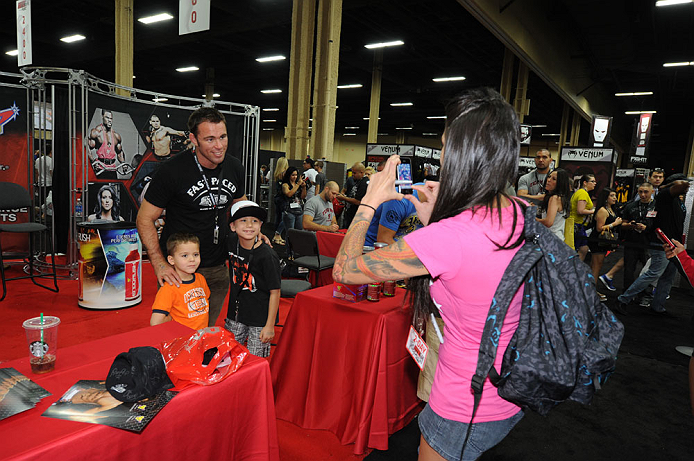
249 337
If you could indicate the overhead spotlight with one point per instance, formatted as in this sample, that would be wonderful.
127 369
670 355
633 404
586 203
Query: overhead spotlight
268 129
73 38
638 93
155 18
158 99
637 112
271 109
430 134
404 128
671 2
401 104
551 134
269 121
187 69
368 118
371 46
349 134
351 128
271 58
214 95
353 85
434 117
12 52
270 91
678 64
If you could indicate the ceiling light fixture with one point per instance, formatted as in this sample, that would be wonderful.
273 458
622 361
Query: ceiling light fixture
349 134
430 134
551 134
155 18
187 69
539 126
371 46
271 58
270 91
434 117
636 112
269 121
368 118
353 85
160 99
448 79
381 134
401 104
271 109
678 64
73 38
214 95
638 93
12 52
404 128
351 128
268 129
671 2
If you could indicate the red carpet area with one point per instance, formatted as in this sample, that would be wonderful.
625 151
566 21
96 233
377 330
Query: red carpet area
24 300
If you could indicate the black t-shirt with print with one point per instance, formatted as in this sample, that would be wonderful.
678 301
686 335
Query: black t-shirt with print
357 191
179 188
670 213
252 291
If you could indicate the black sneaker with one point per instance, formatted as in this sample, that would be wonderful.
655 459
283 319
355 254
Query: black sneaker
620 308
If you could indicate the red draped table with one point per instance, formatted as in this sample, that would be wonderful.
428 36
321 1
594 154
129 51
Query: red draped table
343 367
231 420
328 245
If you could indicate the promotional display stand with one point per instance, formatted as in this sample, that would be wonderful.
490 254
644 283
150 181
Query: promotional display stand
425 160
598 161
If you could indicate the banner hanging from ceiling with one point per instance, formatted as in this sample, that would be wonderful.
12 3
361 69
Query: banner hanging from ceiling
193 16
642 135
600 131
23 33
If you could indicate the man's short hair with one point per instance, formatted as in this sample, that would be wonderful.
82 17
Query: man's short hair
332 185
204 114
646 184
656 170
180 238
310 161
543 151
319 164
358 167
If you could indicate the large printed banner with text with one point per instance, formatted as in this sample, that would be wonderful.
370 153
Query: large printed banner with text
13 158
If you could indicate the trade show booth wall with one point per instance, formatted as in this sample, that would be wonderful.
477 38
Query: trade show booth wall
103 144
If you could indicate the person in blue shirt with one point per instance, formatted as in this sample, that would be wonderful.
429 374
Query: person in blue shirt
392 220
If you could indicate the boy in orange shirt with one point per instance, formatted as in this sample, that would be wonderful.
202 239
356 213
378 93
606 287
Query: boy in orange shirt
187 304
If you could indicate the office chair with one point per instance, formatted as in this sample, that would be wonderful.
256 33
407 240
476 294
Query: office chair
14 196
304 246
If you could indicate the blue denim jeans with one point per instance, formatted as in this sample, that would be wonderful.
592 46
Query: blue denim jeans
293 221
659 263
446 437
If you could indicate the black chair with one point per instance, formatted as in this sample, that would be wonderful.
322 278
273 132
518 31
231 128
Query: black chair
290 287
304 246
14 196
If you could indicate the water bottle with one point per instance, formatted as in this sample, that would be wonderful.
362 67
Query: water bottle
78 209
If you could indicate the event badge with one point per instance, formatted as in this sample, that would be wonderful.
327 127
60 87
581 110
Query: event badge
417 347
651 214
294 205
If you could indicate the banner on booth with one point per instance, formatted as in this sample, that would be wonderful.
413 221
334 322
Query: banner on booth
193 16
526 134
587 154
642 136
600 130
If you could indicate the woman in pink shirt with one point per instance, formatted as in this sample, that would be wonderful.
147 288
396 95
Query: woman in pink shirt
472 231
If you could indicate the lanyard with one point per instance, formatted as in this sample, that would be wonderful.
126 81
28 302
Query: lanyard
213 199
540 183
239 286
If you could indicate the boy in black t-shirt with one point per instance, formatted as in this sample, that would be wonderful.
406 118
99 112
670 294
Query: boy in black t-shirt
254 270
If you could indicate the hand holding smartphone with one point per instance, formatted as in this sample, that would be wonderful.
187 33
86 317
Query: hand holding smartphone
664 238
404 180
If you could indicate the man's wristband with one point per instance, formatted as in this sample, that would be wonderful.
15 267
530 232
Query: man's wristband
364 204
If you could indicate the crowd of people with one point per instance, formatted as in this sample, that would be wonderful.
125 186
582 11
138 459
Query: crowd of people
468 213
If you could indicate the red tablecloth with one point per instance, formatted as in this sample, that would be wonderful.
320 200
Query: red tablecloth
232 420
343 367
328 245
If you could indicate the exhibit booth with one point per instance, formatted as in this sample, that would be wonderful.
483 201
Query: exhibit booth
105 149
425 161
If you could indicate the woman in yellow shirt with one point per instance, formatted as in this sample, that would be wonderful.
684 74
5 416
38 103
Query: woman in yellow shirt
582 210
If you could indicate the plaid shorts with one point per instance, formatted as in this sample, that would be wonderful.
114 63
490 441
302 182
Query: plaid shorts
249 337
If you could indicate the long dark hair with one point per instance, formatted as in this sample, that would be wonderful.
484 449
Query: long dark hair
562 189
286 179
115 209
480 158
602 198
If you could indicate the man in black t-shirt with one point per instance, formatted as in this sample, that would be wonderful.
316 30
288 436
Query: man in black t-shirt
669 217
196 188
355 193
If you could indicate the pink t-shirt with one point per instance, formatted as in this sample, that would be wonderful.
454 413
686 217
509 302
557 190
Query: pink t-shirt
461 256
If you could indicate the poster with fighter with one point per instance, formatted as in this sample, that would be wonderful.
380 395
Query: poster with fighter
14 165
642 135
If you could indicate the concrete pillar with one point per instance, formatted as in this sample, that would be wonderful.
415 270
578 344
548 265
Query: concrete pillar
375 104
124 45
564 128
575 128
325 81
300 73
507 75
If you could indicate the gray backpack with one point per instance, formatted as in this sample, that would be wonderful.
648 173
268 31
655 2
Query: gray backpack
567 341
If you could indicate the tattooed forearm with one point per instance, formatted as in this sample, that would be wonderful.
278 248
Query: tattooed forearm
395 262
353 243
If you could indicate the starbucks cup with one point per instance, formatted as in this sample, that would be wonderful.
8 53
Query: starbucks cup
42 338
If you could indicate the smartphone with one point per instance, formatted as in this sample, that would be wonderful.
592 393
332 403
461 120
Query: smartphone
663 238
404 180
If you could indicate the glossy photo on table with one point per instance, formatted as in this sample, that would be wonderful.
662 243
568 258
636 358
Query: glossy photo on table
18 393
88 401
